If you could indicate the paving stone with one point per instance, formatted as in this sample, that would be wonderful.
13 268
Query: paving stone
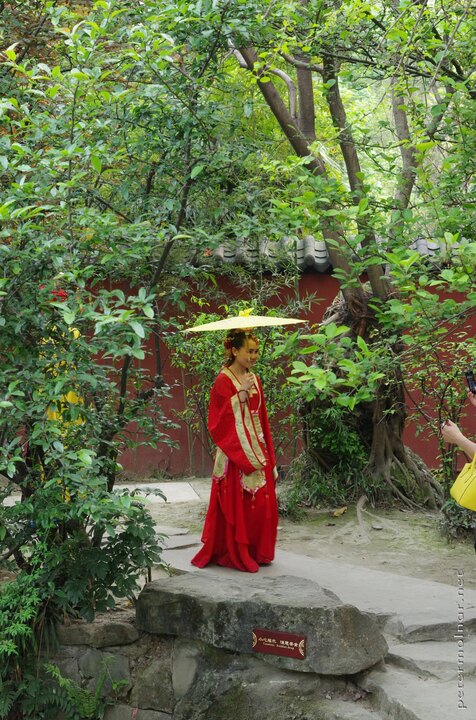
403 695
171 530
185 666
438 659
181 541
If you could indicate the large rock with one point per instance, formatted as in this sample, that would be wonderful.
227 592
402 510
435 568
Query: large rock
340 640
103 632
153 686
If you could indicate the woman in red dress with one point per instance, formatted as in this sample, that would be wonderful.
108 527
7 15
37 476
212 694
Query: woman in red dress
242 518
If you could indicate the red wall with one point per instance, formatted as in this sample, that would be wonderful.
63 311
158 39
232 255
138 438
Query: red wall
425 444
184 460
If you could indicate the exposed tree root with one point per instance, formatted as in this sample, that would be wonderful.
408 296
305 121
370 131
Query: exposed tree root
392 469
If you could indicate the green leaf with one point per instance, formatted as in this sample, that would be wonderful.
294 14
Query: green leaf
424 146
362 344
10 52
86 456
96 163
78 74
69 317
138 328
196 171
332 330
137 353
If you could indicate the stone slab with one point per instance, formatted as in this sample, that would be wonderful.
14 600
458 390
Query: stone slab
228 686
174 492
345 710
437 659
340 640
409 608
11 500
180 541
97 634
405 696
171 530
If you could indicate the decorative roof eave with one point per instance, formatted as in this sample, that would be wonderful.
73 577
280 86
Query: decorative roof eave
309 254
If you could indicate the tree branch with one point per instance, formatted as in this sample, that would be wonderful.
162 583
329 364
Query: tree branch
333 234
108 205
348 148
307 114
302 63
407 149
279 73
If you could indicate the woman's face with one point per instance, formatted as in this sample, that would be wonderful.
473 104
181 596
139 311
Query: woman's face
253 351
242 356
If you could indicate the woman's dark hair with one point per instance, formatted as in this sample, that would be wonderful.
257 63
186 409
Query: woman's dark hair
236 339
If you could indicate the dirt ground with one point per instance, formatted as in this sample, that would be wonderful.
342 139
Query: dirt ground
388 539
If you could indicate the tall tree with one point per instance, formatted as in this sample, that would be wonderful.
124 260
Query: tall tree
419 55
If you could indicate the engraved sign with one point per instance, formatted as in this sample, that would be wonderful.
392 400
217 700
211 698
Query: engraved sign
274 642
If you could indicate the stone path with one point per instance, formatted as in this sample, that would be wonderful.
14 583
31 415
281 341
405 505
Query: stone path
409 608
429 673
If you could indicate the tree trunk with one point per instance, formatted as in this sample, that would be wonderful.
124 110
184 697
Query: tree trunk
389 464
392 469
306 117
333 233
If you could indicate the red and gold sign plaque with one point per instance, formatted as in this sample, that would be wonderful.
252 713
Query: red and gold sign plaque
274 642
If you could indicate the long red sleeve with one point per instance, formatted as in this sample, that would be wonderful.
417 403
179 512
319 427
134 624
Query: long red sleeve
263 415
227 428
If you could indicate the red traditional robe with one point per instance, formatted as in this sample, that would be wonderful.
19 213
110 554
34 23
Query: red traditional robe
242 518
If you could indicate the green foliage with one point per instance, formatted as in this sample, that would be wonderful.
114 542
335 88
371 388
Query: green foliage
456 521
22 622
44 693
79 702
308 486
331 430
343 370
131 145
308 483
75 223
431 311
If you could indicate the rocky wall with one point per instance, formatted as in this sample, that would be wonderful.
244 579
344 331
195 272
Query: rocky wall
171 678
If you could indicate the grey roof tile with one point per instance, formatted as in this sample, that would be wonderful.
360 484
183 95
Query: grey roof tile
309 254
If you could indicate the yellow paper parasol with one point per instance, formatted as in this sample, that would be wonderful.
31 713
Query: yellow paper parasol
244 321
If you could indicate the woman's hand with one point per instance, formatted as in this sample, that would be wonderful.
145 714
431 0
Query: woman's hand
247 383
472 398
451 432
